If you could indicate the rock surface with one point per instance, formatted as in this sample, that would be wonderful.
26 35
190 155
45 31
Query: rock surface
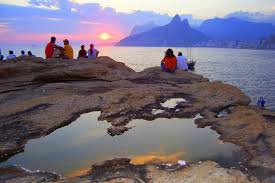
38 97
121 171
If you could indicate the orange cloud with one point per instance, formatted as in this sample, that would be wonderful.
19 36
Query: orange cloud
273 8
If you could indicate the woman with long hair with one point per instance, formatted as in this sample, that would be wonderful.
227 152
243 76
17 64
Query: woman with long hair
92 52
169 62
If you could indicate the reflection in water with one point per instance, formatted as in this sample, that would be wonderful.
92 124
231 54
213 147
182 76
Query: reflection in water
78 172
73 149
155 158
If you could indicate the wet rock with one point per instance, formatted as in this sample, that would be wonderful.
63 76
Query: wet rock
120 170
117 130
14 174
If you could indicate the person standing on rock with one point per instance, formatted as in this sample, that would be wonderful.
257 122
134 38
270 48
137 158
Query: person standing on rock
52 50
92 52
169 62
68 50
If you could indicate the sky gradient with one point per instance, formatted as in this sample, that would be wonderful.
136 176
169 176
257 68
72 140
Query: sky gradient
198 8
84 20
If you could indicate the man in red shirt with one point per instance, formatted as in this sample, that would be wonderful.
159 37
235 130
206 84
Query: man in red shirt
50 48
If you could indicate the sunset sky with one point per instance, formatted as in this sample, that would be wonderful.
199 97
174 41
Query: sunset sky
107 21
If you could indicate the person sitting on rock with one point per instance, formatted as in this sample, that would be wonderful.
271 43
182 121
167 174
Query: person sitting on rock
53 51
30 54
23 53
169 62
68 50
92 52
11 55
82 52
1 56
182 62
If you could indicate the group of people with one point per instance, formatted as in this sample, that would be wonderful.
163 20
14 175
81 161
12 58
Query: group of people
171 63
54 51
12 55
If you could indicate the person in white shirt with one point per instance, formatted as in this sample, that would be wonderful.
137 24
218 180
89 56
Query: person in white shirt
23 53
92 52
182 62
11 55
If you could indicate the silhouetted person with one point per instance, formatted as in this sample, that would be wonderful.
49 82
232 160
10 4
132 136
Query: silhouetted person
92 52
169 62
11 55
23 53
1 56
82 52
30 54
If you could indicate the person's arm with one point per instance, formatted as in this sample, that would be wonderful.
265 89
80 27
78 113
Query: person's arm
58 47
163 60
97 52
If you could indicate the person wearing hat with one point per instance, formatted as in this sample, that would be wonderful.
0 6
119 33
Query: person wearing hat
68 50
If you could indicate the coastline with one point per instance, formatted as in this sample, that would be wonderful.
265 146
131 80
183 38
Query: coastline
49 95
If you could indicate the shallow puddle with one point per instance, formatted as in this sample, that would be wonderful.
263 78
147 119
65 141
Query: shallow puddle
73 149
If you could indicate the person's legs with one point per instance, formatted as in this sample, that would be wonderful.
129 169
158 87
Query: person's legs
56 53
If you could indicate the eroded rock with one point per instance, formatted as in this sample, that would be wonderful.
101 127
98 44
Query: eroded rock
39 96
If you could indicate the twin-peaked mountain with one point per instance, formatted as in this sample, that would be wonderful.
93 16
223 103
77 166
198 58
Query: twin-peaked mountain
176 33
179 33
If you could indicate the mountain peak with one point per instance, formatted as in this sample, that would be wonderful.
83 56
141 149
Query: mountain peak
176 19
185 23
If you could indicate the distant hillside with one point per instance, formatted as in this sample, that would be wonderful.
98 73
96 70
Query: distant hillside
143 28
253 16
235 29
176 33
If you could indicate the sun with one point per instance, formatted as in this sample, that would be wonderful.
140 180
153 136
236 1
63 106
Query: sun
104 36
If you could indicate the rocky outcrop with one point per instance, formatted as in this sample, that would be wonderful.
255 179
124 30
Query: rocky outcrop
39 96
121 170
15 174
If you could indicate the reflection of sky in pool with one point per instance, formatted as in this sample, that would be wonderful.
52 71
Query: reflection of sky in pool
74 148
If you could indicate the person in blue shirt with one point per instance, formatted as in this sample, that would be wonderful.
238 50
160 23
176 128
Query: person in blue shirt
92 52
